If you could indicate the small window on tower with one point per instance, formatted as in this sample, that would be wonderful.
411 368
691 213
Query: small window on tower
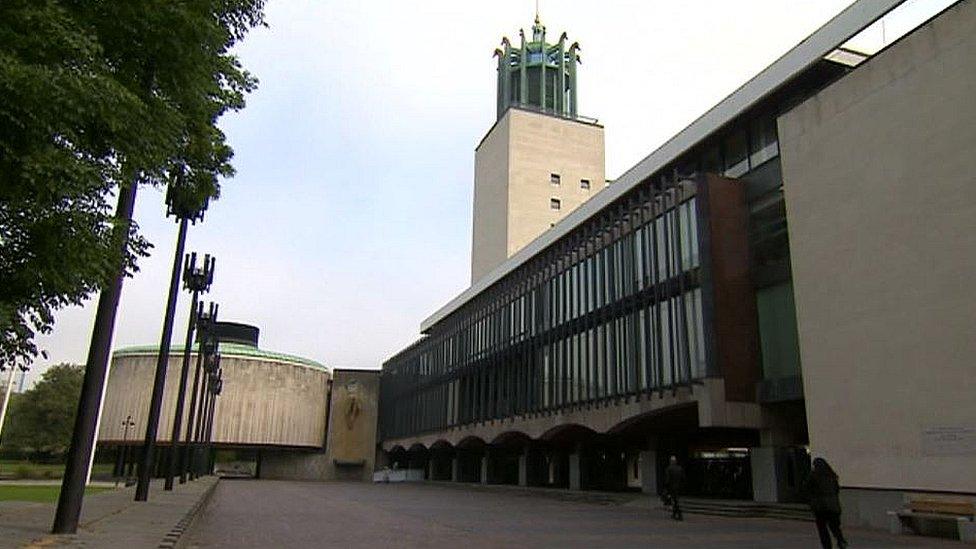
554 178
555 204
585 184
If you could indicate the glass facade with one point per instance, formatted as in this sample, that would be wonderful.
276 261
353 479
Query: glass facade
778 334
614 309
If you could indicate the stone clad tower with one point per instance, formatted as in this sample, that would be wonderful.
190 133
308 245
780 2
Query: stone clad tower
540 160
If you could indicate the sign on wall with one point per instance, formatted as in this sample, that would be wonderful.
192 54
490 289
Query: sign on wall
948 441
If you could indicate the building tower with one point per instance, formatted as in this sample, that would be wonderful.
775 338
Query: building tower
540 160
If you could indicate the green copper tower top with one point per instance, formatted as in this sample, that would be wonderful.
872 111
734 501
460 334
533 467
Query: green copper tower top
538 75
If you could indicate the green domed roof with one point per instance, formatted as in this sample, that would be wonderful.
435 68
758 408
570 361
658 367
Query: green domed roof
227 349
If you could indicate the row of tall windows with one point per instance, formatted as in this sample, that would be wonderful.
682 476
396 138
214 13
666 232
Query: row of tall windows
617 310
656 346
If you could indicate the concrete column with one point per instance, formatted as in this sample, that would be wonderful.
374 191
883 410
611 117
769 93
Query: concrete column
257 464
523 466
455 469
130 460
575 469
762 460
485 469
648 471
777 472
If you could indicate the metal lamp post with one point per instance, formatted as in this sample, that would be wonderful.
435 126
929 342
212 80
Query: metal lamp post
208 356
204 320
206 419
126 423
198 281
210 365
217 383
182 203
83 434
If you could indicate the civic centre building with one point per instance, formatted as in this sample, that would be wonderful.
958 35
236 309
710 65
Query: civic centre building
279 416
789 276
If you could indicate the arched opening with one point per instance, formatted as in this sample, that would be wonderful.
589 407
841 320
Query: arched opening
564 449
397 457
507 455
417 459
441 458
468 455
716 460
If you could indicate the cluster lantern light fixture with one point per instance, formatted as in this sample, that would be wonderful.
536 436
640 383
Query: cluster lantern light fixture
196 280
187 202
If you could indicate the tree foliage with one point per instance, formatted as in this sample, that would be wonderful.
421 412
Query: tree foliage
95 94
40 420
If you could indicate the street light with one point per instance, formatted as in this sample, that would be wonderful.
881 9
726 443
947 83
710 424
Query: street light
120 460
197 280
96 366
207 354
216 386
203 320
183 202
210 365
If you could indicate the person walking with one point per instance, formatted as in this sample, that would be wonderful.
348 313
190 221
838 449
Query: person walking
823 488
674 479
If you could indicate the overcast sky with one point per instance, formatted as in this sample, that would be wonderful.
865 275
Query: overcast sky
349 220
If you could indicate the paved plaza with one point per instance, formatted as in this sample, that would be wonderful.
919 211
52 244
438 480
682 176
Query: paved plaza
332 514
109 519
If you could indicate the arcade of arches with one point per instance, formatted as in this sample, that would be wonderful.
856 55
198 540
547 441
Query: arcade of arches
630 455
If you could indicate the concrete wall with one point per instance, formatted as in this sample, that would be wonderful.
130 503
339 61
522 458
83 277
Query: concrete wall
351 444
490 220
881 202
263 401
513 165
542 145
294 466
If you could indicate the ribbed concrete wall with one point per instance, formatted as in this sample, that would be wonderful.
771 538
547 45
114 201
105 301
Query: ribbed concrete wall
264 402
351 448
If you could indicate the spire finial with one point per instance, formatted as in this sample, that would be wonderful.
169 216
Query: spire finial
538 29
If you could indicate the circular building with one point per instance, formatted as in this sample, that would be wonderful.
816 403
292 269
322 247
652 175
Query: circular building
269 400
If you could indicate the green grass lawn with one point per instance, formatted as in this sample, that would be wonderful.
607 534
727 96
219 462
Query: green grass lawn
40 494
22 469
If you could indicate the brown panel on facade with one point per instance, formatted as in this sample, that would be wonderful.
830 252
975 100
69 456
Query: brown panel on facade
736 337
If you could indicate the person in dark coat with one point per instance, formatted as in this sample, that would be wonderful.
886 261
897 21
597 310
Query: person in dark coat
674 479
823 488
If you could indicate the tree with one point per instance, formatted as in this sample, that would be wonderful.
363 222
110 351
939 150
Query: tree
40 420
95 95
